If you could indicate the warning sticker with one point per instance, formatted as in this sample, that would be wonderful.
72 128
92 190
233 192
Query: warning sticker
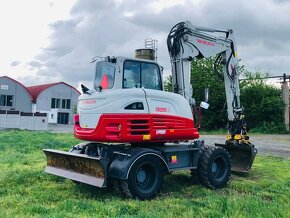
146 137
160 131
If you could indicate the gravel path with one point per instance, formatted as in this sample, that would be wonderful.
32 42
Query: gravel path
274 145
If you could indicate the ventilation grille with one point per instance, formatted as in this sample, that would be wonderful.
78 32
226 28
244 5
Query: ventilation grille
168 123
139 127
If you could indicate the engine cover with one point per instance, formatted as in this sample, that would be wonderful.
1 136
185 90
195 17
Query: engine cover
134 116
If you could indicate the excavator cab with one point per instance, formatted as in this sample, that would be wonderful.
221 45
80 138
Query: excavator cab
126 73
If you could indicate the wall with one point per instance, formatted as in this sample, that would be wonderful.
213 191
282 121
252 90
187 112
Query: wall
20 120
51 115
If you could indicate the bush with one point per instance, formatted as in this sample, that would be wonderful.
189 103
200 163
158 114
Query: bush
263 104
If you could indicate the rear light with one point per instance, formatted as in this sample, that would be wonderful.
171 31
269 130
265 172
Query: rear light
76 119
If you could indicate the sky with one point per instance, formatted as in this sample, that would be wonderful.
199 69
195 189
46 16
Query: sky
54 40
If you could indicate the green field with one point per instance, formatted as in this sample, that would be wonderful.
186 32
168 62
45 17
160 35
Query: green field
26 191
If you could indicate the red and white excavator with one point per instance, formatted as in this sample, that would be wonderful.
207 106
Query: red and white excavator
135 132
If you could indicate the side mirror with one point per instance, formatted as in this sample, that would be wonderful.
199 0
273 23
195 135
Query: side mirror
206 94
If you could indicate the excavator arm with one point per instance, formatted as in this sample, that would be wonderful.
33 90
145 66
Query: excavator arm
186 42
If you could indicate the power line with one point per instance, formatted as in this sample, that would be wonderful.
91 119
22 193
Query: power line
284 77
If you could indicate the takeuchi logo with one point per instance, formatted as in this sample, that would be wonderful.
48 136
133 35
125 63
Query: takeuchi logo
201 41
93 101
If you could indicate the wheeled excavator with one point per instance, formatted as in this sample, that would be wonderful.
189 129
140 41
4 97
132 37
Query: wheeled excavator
135 132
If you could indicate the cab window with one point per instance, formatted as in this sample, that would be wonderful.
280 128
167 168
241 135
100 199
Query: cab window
105 75
132 75
141 75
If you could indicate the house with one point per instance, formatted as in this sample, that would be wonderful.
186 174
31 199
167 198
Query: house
14 95
58 100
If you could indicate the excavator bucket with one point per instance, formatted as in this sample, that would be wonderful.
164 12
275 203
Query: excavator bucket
241 155
77 167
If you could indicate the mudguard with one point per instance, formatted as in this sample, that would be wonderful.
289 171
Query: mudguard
122 163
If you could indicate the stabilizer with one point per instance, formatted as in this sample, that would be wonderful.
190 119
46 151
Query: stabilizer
77 167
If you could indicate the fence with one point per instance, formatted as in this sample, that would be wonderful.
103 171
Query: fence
21 120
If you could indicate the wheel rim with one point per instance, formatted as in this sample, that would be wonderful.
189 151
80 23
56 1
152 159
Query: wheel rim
146 178
219 168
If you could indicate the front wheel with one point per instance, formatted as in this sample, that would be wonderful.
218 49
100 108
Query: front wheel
214 167
145 178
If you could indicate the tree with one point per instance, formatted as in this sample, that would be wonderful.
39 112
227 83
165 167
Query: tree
262 102
203 76
168 84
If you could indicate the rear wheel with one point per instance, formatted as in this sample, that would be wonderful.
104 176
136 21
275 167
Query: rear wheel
214 167
145 178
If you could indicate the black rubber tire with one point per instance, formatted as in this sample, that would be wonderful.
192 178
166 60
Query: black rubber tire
194 177
113 183
145 178
214 167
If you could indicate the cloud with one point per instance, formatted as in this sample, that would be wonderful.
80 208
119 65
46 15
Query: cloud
15 63
118 27
35 64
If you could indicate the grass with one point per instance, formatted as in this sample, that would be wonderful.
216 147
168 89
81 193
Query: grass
25 190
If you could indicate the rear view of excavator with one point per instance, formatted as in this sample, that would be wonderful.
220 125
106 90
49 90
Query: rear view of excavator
135 132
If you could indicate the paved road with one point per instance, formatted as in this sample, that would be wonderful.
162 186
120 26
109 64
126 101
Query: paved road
275 145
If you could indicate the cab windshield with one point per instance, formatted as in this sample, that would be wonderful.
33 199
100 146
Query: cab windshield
141 75
105 75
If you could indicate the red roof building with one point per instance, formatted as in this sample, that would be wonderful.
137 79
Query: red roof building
58 100
36 90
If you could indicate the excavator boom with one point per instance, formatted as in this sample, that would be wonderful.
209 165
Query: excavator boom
185 43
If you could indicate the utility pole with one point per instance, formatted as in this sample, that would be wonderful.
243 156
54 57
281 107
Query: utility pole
285 95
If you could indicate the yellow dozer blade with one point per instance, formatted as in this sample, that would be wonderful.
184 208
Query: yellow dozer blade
241 155
77 167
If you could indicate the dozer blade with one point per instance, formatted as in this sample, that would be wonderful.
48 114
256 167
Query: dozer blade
77 167
242 155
